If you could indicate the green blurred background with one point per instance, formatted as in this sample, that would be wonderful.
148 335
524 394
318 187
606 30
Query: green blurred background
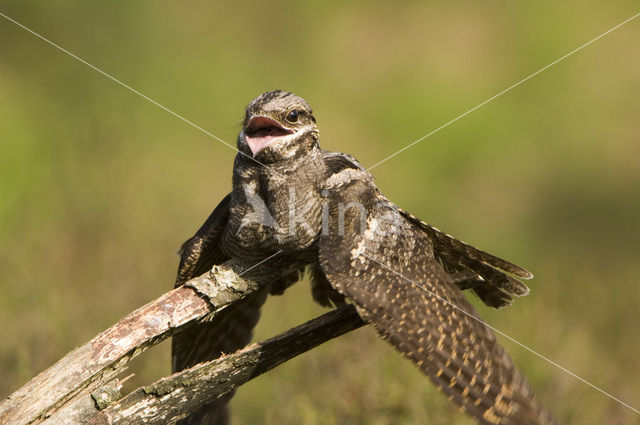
99 187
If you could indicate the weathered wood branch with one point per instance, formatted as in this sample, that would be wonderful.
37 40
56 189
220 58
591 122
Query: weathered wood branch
62 393
176 396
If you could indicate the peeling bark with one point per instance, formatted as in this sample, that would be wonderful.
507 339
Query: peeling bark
177 396
62 393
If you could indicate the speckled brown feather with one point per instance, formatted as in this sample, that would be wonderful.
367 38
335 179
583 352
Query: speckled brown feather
494 285
224 235
200 252
400 287
407 284
231 328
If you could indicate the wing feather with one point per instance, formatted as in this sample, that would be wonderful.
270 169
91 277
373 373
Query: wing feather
202 251
400 287
493 279
448 242
229 330
499 286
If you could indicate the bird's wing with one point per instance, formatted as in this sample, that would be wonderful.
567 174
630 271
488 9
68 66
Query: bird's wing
385 265
229 330
202 251
496 280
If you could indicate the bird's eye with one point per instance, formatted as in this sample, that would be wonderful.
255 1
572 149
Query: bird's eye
292 116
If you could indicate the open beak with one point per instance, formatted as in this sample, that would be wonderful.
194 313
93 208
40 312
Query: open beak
260 131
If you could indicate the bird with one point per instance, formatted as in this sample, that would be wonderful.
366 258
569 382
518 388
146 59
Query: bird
305 208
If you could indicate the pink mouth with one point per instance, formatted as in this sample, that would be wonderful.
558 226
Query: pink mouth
261 131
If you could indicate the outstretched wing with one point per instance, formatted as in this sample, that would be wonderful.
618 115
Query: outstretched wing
494 280
385 264
490 277
229 330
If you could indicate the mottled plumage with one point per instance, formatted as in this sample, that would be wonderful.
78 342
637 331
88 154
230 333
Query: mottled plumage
323 211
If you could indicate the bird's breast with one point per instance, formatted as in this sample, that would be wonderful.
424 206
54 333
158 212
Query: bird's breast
264 220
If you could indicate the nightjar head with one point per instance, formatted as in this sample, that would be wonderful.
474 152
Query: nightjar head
278 125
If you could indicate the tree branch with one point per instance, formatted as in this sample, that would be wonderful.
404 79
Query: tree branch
174 397
62 393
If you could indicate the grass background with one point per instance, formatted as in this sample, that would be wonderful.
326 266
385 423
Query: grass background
98 187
